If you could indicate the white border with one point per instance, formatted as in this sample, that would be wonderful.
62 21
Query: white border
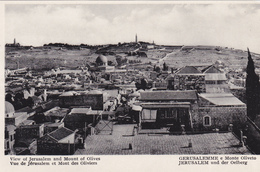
115 162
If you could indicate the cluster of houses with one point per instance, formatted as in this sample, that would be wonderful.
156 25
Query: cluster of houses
193 99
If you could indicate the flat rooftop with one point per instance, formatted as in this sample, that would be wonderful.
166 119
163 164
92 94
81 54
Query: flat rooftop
159 144
222 99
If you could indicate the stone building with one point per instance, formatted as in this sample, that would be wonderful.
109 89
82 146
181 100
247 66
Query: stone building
58 142
172 109
93 99
102 64
78 118
9 139
17 119
215 80
191 111
207 79
187 78
221 111
49 126
30 131
25 138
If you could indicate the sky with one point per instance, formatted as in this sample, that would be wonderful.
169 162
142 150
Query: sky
231 25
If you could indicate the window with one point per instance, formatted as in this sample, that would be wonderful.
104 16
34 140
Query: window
220 82
149 114
207 121
7 145
170 113
210 82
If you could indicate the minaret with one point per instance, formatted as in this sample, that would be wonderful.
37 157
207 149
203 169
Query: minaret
136 38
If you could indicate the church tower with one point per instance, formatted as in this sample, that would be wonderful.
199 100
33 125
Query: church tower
136 38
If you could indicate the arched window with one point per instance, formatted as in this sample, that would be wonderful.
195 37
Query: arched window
207 120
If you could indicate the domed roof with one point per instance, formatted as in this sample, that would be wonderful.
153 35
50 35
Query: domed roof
101 59
9 108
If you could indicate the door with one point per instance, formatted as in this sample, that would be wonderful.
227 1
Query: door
183 118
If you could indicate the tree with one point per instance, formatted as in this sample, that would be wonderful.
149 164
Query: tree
120 61
30 102
143 85
9 98
110 63
156 69
252 90
165 67
19 101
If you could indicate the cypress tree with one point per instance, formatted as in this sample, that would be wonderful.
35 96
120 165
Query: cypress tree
165 67
252 89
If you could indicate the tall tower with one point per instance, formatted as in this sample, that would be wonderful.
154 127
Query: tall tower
136 38
14 41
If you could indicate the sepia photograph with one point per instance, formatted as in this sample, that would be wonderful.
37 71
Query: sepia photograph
132 78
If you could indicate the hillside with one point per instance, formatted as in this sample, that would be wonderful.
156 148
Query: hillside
232 58
173 56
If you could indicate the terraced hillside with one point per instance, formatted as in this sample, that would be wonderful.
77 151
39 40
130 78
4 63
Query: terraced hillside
234 59
42 57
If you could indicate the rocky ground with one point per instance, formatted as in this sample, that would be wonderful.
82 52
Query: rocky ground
41 57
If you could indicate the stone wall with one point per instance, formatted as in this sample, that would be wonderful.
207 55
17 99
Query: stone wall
253 136
217 88
36 131
94 101
240 94
220 117
47 148
189 82
77 121
48 129
17 119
